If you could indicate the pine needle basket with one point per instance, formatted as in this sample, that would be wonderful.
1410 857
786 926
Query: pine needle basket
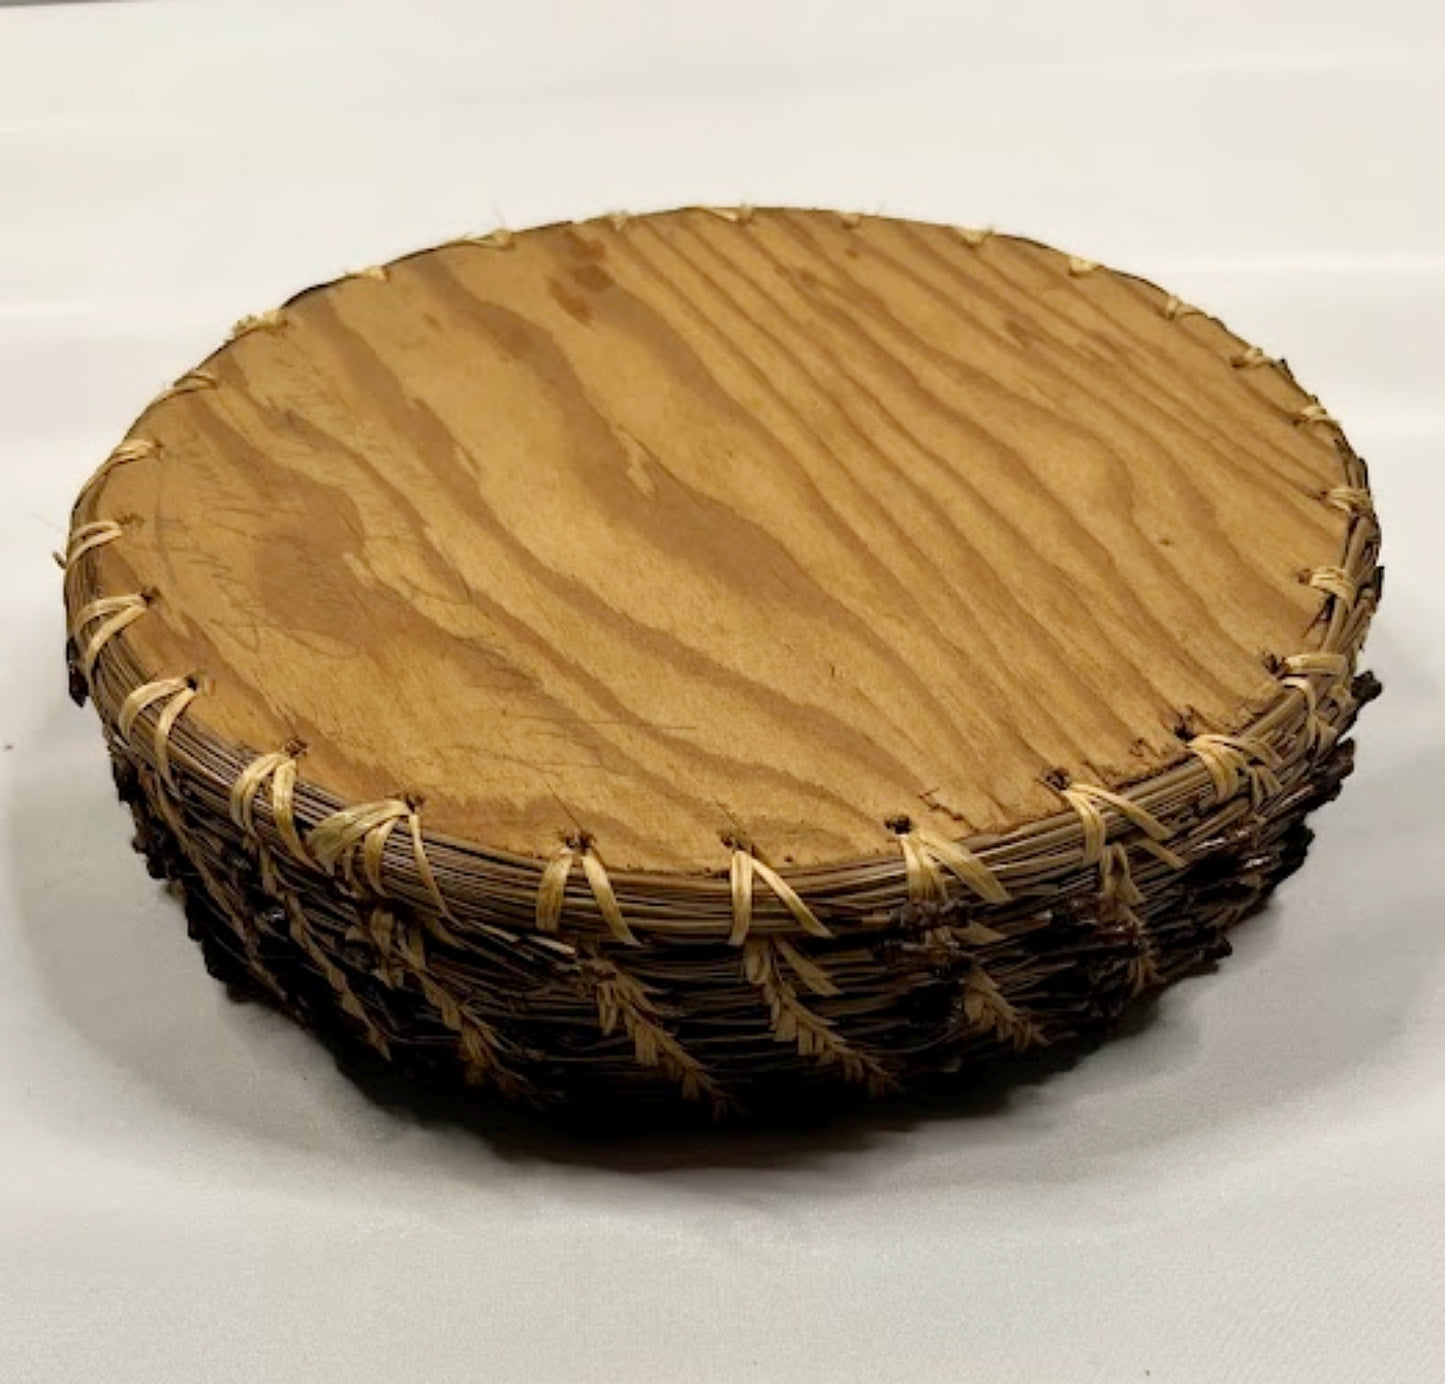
723 654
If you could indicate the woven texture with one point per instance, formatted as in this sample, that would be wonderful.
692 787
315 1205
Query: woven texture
556 980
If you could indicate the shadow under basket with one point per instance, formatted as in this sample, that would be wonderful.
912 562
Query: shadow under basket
724 656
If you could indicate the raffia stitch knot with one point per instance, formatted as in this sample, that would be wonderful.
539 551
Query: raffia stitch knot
1251 358
743 869
177 694
114 614
552 889
272 320
1301 672
1336 582
739 215
500 239
332 843
1121 897
972 237
88 537
926 855
1232 761
1089 802
1314 413
1352 499
189 383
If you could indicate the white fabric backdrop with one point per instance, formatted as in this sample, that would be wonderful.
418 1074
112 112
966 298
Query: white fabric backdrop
1249 1188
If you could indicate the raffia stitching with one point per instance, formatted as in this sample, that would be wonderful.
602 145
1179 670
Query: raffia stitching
334 841
972 237
744 868
623 999
1252 358
132 449
1232 761
927 855
480 1044
1089 802
552 889
272 320
986 1009
793 1022
1314 413
500 239
334 847
346 997
1352 499
738 216
114 613
189 383
1336 582
1121 897
88 537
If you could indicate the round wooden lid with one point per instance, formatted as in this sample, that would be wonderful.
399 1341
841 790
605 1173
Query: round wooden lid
768 525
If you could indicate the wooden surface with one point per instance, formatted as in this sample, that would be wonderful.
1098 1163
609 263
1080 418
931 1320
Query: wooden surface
678 527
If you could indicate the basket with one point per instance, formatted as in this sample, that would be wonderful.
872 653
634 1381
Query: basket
723 655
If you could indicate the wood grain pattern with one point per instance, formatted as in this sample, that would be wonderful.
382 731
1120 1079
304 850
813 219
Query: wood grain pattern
681 528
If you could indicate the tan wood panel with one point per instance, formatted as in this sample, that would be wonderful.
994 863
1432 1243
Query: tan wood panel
681 526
